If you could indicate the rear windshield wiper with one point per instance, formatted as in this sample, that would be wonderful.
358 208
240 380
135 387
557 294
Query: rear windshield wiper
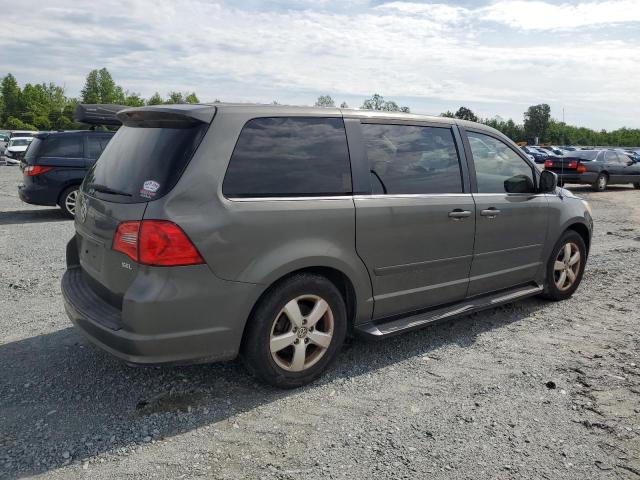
104 189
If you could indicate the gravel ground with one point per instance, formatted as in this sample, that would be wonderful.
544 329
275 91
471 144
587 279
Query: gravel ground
529 390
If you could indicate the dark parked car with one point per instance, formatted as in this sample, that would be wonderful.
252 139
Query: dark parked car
55 164
598 168
205 231
539 156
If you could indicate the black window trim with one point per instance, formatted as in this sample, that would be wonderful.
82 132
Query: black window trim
472 166
296 197
364 179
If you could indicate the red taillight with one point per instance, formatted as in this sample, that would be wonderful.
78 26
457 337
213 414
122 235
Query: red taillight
581 168
33 170
572 164
548 164
155 242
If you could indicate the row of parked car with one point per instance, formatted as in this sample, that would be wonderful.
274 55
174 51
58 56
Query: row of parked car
598 167
55 163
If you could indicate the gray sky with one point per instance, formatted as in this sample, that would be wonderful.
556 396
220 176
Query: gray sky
495 57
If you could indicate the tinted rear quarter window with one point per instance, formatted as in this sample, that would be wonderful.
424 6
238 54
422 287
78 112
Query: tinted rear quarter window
96 144
67 146
289 156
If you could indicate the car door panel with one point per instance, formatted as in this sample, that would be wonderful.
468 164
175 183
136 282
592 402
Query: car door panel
508 247
417 255
511 219
415 227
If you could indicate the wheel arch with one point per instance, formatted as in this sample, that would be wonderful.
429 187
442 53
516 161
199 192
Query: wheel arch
582 230
339 278
66 186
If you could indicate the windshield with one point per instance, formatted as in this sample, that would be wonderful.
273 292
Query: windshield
141 163
19 142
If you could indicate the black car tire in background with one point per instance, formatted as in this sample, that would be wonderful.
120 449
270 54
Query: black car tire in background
600 185
636 186
67 201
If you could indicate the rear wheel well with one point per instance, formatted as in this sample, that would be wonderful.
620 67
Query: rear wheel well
67 187
335 276
583 231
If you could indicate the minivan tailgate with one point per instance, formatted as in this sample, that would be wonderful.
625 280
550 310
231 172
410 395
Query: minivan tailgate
110 273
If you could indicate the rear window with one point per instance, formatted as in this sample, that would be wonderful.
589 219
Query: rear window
289 156
19 142
32 151
142 163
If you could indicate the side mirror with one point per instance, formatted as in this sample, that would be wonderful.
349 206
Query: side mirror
519 184
548 181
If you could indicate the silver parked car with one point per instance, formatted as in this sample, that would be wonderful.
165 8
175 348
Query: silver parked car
208 231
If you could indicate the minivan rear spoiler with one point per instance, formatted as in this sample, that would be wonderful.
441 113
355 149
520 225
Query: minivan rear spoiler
167 116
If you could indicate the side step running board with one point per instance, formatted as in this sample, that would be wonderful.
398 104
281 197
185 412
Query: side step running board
383 328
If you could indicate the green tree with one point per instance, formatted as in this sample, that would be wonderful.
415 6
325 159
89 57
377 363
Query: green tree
155 99
109 91
325 101
175 97
448 114
90 93
465 113
377 102
344 105
192 98
14 123
133 100
536 122
11 97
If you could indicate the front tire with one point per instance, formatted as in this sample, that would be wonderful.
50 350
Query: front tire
636 186
600 185
68 201
295 331
565 267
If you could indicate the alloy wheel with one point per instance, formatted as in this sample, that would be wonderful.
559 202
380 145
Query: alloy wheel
301 333
567 266
70 202
602 182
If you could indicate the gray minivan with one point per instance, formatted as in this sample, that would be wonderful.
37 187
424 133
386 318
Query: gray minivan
273 232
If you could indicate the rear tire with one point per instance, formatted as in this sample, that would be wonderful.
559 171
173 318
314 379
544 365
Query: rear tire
600 185
636 186
565 266
68 201
295 331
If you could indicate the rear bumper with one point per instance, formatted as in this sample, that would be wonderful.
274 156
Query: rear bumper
587 177
194 335
37 195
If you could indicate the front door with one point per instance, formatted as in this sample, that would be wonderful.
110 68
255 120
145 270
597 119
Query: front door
511 219
415 230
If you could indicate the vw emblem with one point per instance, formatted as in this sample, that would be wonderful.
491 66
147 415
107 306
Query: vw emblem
82 211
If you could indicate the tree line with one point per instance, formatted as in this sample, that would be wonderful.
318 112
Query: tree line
45 106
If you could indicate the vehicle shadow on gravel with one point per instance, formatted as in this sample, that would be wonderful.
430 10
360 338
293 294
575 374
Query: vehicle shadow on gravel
31 216
63 400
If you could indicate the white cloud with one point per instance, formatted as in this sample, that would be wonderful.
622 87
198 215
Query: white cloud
537 15
428 54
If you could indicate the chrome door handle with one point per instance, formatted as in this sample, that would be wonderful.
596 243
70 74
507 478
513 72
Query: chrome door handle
457 214
490 212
